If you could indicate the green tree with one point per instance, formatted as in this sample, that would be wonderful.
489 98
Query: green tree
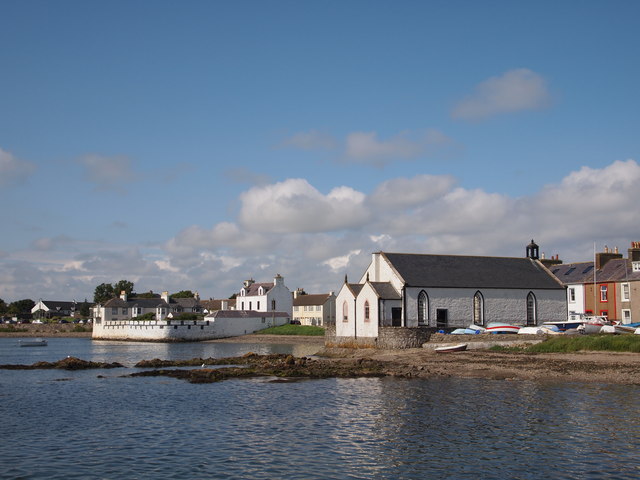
85 308
183 294
103 292
123 285
3 306
148 294
21 306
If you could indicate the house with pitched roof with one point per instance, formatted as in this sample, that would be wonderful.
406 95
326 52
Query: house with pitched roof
54 308
314 309
442 292
608 286
265 297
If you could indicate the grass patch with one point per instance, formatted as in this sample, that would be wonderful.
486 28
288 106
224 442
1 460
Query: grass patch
293 330
594 343
512 349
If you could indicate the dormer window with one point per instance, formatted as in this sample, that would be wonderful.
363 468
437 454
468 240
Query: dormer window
243 292
261 291
635 266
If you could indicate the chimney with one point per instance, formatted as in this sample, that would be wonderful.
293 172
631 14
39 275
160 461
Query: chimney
123 295
224 305
603 257
634 252
165 296
279 280
196 296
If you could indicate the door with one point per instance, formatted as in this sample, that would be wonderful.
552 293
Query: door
442 318
396 316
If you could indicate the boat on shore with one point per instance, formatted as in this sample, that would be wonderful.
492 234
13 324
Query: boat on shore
500 327
461 347
38 342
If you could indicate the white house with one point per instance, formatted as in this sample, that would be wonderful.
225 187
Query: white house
447 291
265 297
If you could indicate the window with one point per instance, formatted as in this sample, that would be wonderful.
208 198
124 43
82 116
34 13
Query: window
124 311
531 309
249 305
273 305
423 308
625 292
603 293
626 316
478 309
114 311
345 312
258 305
295 309
366 311
635 266
572 295
242 306
604 313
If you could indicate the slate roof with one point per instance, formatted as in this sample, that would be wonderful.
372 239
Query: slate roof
136 302
252 290
310 299
573 273
246 314
459 271
385 290
59 305
217 304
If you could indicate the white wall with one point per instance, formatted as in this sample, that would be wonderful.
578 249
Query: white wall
345 329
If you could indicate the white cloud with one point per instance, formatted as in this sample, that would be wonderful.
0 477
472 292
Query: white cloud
295 206
515 90
314 239
108 173
13 171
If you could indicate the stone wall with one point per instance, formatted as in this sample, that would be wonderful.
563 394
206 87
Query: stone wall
388 338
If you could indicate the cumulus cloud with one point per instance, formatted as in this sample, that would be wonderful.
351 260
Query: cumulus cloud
513 91
108 173
295 206
313 239
13 170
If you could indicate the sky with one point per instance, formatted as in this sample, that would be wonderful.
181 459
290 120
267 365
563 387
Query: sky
193 145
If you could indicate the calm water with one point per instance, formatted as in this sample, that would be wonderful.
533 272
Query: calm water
58 424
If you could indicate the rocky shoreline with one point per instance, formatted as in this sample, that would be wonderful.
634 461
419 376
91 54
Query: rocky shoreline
599 367
45 330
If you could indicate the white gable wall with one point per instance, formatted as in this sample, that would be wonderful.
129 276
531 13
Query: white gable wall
367 328
345 329
379 270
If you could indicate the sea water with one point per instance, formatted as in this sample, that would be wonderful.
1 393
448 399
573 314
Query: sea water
98 424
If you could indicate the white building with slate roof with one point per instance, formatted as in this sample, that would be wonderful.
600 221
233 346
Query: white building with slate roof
448 291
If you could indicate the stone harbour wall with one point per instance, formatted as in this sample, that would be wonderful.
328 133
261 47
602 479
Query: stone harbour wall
392 338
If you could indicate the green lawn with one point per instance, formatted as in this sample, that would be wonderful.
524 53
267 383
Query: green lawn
293 330
584 343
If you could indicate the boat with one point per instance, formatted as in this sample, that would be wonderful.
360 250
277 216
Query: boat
38 342
459 331
624 329
461 347
531 331
500 327
475 329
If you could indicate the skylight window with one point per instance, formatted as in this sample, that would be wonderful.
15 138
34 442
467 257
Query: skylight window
568 272
588 269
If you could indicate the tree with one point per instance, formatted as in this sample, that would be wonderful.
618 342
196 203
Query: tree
183 294
85 308
123 285
148 294
21 306
3 306
106 291
103 292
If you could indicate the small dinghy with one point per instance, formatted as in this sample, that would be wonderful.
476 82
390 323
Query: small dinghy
33 343
461 347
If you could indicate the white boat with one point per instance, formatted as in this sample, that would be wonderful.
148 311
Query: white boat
38 342
461 347
459 331
531 331
499 327
475 329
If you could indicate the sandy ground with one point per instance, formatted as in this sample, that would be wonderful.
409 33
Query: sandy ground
600 367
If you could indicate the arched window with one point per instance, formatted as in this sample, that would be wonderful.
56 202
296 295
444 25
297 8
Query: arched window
366 310
423 308
532 314
478 309
345 312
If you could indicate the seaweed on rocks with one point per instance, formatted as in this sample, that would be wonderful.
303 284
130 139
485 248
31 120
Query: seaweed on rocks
69 363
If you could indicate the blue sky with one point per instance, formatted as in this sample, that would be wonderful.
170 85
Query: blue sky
192 145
